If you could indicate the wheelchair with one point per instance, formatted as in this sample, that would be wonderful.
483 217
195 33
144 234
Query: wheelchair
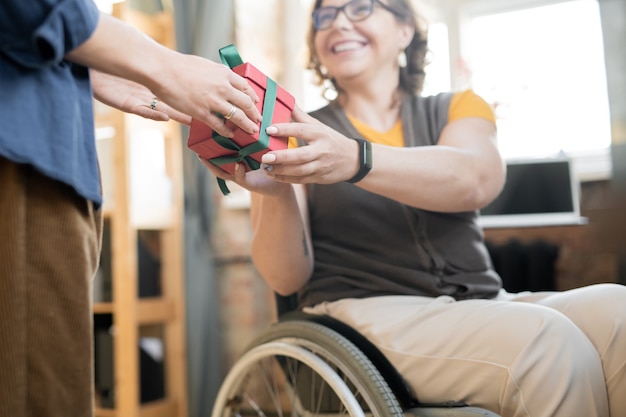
308 365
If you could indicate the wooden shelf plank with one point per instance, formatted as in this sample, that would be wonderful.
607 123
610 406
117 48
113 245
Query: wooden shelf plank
154 310
103 308
105 412
161 408
107 211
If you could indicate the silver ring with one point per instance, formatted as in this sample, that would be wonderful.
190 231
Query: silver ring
231 113
154 103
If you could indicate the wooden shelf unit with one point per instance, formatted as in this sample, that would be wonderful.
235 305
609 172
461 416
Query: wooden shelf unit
132 316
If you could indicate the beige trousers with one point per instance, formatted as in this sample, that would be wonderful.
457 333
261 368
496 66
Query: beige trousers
49 251
531 354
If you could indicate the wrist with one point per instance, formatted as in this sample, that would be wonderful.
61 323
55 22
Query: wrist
158 74
364 161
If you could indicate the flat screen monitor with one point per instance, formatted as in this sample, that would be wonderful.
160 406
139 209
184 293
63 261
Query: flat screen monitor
537 192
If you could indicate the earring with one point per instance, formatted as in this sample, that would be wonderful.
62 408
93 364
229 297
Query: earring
402 61
329 92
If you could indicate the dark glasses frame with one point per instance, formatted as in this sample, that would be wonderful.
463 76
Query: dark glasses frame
317 25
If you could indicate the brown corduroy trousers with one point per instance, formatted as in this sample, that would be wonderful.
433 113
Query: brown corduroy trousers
49 252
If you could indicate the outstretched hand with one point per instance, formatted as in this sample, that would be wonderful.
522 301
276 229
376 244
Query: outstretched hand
209 92
196 87
329 156
130 97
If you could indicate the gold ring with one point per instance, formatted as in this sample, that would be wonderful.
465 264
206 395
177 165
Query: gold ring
231 113
154 103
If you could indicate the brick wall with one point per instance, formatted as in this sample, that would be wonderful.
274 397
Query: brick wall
246 301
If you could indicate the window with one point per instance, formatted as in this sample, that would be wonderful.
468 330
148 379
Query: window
438 58
543 70
107 5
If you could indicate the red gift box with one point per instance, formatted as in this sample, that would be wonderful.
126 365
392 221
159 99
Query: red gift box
210 145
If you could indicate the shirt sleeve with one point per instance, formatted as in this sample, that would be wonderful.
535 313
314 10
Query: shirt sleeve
469 104
40 33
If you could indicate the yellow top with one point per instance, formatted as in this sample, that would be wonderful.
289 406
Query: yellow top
463 104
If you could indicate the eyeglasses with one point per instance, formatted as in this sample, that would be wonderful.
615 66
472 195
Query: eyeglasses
354 10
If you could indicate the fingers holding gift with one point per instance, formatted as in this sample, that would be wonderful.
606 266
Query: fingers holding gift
314 163
246 114
328 157
299 115
310 172
230 112
306 128
242 85
216 122
219 90
236 115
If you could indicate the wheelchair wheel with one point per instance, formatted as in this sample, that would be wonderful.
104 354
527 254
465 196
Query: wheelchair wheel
304 369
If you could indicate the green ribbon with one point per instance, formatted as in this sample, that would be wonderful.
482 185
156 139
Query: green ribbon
230 57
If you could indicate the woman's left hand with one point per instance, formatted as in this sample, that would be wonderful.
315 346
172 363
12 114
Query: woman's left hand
329 156
134 98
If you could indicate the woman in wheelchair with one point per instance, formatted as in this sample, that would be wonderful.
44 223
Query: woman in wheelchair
373 222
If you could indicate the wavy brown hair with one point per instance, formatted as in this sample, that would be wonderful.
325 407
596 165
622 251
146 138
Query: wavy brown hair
411 76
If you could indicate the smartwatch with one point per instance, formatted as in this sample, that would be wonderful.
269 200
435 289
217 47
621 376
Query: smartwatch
365 160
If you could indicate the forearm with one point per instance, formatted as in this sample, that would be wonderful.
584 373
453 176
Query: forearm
449 177
196 87
462 172
281 248
119 49
436 178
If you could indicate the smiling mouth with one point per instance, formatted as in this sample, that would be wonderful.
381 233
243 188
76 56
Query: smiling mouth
347 46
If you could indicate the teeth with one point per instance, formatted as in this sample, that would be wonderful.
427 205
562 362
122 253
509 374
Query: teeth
347 46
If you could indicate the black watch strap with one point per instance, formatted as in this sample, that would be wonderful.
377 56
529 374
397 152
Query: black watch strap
365 160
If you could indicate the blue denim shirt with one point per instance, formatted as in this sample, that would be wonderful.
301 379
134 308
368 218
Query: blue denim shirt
46 107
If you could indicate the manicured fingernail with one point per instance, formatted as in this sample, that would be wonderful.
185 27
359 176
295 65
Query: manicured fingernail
271 130
268 158
267 168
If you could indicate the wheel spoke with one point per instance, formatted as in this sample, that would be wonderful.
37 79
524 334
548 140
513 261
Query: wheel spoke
304 370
